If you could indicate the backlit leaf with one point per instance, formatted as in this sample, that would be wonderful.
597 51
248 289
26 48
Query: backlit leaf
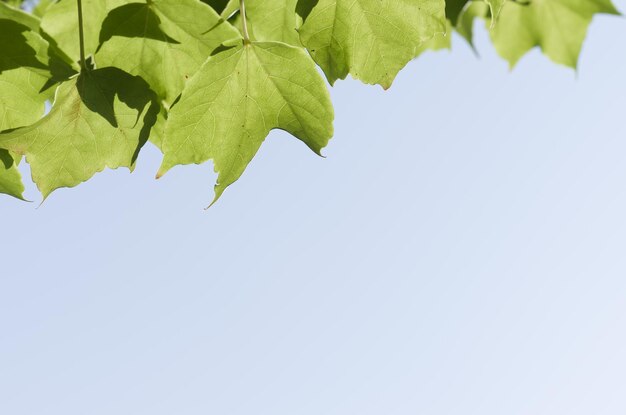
24 72
99 119
558 27
237 98
274 20
370 39
163 41
61 23
10 178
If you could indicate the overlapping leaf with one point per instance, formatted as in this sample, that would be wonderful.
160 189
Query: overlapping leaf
370 39
455 8
12 3
42 7
236 98
99 119
163 41
274 20
465 23
271 20
24 72
225 8
24 69
12 13
102 117
461 15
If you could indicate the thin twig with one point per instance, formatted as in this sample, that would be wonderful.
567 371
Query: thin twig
244 21
81 35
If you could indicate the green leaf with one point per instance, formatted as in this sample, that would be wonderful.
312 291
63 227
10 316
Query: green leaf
234 101
231 8
235 94
42 7
461 15
558 27
29 67
61 23
10 178
24 72
163 41
12 3
441 41
370 39
455 8
274 20
465 23
99 119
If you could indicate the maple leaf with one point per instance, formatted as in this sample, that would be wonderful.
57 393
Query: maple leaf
234 101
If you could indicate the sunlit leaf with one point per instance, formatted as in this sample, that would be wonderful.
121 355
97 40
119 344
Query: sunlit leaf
61 23
370 39
237 98
99 119
163 41
558 27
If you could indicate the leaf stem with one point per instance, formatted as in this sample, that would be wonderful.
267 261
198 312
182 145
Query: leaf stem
81 35
244 21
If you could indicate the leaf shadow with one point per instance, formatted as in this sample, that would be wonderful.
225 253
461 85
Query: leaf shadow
133 20
100 88
217 5
453 9
6 160
16 52
60 70
304 8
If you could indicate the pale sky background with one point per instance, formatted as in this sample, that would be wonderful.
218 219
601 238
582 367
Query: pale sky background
461 250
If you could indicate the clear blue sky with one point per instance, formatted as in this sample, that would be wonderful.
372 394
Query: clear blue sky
461 250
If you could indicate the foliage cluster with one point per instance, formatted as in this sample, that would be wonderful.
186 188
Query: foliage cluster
209 79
